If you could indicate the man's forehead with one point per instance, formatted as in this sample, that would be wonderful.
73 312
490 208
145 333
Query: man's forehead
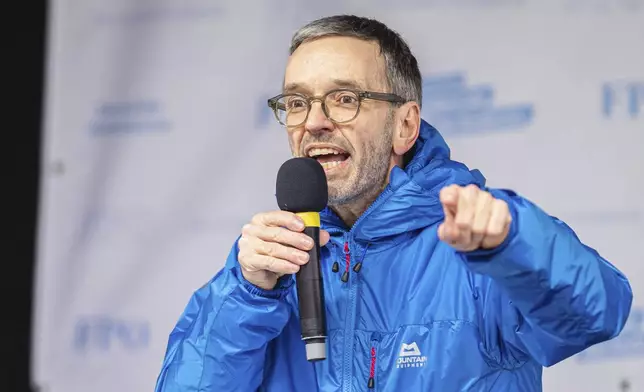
334 62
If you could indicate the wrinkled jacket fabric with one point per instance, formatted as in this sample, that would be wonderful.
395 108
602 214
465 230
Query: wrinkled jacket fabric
415 315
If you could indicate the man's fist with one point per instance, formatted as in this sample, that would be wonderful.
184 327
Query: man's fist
473 218
272 245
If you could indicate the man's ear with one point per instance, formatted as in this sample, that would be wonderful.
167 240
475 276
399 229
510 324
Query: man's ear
407 129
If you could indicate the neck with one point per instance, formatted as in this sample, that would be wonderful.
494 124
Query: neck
350 212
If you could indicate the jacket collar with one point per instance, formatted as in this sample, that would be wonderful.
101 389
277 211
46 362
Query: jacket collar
410 201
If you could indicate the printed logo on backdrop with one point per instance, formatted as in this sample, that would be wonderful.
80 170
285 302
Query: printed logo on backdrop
132 13
125 117
104 333
456 108
623 99
629 343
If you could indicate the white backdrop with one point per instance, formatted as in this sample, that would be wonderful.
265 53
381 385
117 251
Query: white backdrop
159 146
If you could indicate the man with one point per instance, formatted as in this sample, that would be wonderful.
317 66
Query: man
433 282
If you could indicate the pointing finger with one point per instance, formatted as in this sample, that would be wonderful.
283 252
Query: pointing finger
449 198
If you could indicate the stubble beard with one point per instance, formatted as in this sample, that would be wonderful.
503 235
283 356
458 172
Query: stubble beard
368 177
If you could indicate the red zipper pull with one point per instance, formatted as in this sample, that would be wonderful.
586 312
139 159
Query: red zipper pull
372 369
345 274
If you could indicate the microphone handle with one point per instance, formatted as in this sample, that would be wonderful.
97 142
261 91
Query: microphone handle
310 293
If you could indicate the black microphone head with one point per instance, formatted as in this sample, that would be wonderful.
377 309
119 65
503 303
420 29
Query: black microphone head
301 186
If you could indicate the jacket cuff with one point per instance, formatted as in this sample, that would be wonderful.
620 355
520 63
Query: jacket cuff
280 291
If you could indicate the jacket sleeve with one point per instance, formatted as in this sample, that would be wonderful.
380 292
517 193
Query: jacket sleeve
549 295
220 340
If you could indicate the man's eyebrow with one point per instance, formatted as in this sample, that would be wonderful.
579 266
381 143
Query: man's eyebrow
295 88
337 83
346 83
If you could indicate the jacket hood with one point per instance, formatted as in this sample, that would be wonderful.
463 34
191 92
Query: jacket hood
411 199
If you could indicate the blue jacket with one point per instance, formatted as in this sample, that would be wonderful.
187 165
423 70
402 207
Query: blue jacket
414 314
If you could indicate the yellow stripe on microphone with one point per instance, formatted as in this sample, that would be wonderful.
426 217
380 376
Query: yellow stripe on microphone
311 219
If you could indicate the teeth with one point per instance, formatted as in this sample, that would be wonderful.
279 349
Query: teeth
329 165
322 151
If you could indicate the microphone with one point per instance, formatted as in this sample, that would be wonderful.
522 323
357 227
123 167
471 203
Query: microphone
302 189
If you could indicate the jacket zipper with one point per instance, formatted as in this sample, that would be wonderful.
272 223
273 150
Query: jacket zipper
347 255
372 370
349 324
371 382
347 262
351 311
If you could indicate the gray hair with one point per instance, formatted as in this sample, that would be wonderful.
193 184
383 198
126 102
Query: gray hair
403 75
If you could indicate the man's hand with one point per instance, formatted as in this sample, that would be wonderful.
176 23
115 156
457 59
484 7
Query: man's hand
473 218
272 245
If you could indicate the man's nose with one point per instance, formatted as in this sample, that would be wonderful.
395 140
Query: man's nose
317 120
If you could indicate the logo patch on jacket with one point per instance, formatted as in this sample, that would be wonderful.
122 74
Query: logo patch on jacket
410 356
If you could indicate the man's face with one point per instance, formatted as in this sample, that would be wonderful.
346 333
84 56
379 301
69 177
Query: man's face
356 155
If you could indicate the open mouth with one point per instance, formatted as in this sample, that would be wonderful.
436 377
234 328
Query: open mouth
329 158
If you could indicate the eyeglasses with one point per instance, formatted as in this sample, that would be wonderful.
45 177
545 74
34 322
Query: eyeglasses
339 106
